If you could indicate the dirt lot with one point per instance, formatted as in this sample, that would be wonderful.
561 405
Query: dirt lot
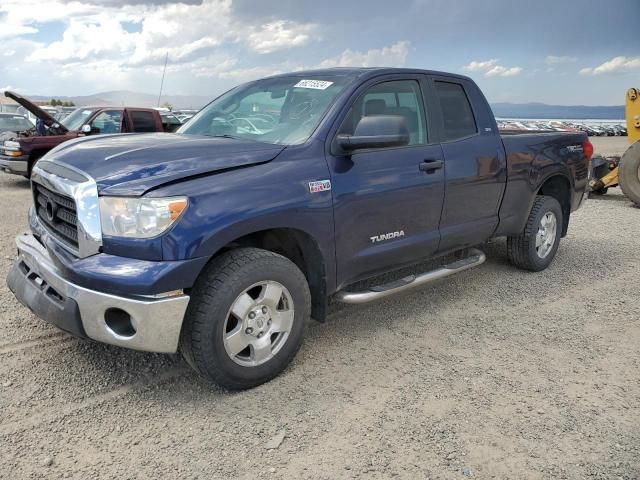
495 373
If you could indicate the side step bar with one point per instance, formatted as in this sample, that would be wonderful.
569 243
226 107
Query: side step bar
475 258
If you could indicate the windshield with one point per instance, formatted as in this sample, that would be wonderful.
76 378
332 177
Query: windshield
11 123
76 119
283 110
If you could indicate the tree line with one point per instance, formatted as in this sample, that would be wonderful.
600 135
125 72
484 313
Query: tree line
59 103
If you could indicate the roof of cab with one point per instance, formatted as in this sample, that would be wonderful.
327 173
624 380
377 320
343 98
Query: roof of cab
365 72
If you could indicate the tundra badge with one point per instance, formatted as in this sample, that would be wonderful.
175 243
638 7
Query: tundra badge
386 236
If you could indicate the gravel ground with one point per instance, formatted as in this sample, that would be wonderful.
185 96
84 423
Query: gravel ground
495 373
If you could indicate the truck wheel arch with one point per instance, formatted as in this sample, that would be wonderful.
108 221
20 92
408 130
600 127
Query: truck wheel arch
558 186
299 247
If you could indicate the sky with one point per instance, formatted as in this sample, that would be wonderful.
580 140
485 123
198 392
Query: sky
566 52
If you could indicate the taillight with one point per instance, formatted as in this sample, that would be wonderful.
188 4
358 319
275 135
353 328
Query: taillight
587 148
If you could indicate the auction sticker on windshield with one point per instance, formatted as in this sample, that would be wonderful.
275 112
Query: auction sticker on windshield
315 84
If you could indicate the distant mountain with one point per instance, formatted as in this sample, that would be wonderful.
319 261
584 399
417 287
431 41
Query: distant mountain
132 99
542 110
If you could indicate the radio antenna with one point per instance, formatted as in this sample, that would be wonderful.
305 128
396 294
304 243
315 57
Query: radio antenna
164 70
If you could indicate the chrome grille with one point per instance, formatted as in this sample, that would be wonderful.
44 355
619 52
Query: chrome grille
57 213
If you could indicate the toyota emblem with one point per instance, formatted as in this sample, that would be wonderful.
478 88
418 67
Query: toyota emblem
51 210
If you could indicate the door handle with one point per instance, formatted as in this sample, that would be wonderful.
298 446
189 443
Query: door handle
430 165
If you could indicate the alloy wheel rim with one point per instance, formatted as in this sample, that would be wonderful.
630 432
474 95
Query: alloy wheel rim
258 323
546 235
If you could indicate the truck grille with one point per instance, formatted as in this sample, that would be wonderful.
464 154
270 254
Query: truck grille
58 214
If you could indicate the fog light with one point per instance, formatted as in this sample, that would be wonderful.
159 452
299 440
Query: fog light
119 322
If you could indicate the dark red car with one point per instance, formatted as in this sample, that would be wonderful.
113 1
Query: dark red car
19 153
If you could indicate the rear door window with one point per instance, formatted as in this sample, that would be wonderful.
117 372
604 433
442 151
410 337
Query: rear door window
143 121
457 116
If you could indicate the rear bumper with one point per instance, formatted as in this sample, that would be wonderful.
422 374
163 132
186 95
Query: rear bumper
17 165
150 324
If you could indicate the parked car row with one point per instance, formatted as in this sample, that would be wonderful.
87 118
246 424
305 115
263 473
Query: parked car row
28 131
22 147
592 130
171 119
604 130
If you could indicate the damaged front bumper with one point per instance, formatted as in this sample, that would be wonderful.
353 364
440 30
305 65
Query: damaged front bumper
141 323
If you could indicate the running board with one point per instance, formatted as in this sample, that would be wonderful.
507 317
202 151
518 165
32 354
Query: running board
475 258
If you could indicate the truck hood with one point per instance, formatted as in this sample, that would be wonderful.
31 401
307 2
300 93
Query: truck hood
48 120
132 164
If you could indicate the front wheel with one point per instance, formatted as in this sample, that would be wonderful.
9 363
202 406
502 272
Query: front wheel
246 318
535 248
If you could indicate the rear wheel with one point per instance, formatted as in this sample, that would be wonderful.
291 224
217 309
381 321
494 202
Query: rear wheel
246 318
535 248
629 173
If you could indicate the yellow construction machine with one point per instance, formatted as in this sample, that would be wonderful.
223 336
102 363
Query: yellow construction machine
623 171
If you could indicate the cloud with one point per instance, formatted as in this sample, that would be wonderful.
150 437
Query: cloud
254 73
35 13
210 67
556 60
481 66
280 35
122 3
98 49
619 64
492 69
392 56
8 30
503 71
82 41
184 30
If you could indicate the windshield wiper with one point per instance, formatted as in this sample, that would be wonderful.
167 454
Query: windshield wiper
234 137
226 135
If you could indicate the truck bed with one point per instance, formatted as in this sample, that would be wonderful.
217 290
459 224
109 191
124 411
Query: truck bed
532 157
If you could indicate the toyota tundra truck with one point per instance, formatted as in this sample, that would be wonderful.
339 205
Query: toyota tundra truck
283 194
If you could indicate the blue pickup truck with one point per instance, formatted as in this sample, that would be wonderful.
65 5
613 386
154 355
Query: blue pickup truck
221 240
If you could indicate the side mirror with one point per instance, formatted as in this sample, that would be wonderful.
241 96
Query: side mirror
86 129
376 131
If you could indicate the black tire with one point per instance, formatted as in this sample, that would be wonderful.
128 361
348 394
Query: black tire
522 250
216 290
601 170
629 173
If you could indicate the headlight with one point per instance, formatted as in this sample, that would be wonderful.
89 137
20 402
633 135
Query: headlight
12 148
139 217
